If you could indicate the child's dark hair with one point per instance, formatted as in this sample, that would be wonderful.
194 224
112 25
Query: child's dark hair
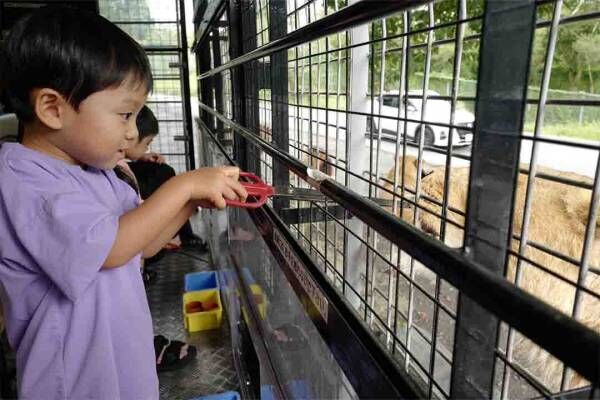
146 122
74 52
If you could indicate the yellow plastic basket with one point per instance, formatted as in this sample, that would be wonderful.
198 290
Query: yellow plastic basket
203 320
260 300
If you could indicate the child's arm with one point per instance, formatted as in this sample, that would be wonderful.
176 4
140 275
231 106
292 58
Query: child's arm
152 157
167 234
141 226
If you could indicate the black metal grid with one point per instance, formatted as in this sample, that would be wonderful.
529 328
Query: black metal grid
411 310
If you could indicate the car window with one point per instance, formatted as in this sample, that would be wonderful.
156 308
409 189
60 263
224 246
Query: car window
390 101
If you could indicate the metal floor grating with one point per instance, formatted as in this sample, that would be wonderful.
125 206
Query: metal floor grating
213 370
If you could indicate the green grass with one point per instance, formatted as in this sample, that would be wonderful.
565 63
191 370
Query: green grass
588 131
320 101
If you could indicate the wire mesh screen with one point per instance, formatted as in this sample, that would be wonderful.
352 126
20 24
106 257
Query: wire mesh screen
156 27
388 110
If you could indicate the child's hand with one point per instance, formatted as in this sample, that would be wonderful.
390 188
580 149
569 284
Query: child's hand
212 186
152 157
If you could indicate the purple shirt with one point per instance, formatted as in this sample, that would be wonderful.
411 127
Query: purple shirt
79 331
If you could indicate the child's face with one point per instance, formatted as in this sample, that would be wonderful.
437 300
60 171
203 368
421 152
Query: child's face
139 149
104 128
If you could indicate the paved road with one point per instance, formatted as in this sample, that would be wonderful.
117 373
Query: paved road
558 157
562 157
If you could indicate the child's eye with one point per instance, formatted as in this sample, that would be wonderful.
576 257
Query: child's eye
126 116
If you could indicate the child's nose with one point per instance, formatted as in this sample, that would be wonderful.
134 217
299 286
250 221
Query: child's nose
132 133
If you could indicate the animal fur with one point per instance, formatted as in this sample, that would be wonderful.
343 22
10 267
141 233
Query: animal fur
558 221
316 160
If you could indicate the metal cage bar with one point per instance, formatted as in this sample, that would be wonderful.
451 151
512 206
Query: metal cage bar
500 97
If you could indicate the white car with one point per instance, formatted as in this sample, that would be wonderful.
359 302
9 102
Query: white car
437 111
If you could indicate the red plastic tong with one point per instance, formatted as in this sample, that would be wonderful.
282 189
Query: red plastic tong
258 192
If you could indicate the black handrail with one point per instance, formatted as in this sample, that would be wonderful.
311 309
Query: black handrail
212 11
348 17
567 339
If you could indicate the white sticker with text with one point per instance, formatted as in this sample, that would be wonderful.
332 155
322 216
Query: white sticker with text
308 284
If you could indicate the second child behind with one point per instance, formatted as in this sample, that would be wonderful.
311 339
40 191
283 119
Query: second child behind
151 170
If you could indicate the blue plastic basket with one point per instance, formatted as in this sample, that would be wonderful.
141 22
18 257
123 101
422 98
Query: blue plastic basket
299 389
220 396
295 389
248 276
201 281
266 392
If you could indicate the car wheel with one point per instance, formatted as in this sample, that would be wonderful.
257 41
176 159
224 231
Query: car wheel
429 136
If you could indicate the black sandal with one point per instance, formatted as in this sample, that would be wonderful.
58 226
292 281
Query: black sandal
172 354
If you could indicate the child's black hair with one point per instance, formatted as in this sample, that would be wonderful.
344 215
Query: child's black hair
146 122
74 52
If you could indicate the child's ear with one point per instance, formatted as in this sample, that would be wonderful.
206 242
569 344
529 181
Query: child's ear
50 107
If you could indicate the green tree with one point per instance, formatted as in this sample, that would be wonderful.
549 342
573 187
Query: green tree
442 57
587 49
577 55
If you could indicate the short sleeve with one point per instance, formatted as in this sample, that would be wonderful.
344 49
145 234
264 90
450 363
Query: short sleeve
127 196
71 240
